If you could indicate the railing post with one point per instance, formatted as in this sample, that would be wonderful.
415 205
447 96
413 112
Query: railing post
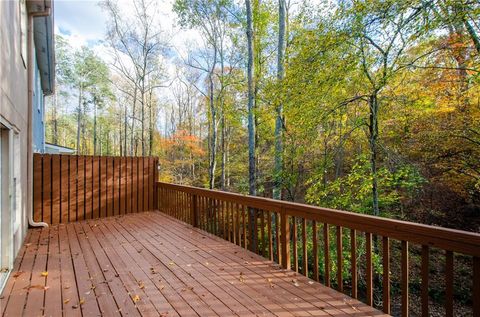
285 237
194 210
155 180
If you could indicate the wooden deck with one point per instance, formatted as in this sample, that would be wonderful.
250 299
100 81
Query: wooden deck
151 264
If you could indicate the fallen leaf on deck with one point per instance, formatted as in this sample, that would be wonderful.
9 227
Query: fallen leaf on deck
67 287
66 301
295 282
189 288
82 301
74 306
17 274
4 270
141 285
152 270
162 287
171 263
269 280
136 298
311 282
241 278
40 287
44 274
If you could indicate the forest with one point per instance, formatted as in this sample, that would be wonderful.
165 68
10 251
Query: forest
369 106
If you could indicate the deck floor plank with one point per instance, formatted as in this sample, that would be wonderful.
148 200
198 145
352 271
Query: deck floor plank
119 292
87 299
326 299
224 302
14 293
174 289
227 283
102 291
240 271
150 264
53 293
36 291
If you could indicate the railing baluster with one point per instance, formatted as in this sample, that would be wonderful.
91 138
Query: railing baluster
239 232
225 220
262 224
369 269
386 275
270 236
304 248
235 222
294 241
353 261
405 272
229 223
285 235
194 207
339 259
244 211
232 222
315 250
277 238
449 284
326 252
476 286
424 296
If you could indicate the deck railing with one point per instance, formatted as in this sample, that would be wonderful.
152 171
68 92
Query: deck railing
327 245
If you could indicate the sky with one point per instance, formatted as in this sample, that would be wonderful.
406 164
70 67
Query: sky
83 22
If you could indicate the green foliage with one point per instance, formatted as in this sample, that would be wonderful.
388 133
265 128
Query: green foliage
353 191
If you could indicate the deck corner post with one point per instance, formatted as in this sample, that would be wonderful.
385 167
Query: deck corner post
285 239
194 210
155 185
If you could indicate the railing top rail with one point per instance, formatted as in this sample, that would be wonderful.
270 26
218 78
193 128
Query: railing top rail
443 238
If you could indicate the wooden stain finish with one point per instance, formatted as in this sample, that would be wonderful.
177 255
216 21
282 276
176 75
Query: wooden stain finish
69 188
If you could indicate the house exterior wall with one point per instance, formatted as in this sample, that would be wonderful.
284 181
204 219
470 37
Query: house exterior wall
16 143
38 114
14 113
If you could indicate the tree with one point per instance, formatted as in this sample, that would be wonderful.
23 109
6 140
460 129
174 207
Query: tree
279 111
251 116
137 44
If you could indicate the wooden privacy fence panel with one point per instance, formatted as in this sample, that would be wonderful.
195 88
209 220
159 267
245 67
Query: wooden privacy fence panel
69 188
368 258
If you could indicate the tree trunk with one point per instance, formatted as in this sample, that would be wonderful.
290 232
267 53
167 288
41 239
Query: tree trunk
224 153
150 126
213 141
79 117
94 128
473 34
251 115
125 124
277 188
373 138
251 127
132 137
